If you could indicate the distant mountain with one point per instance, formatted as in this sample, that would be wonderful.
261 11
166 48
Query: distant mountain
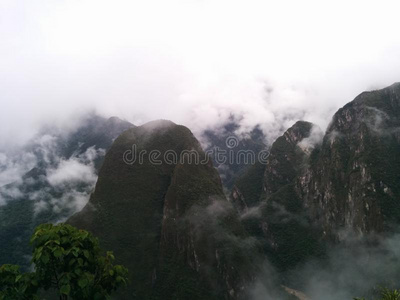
228 140
59 184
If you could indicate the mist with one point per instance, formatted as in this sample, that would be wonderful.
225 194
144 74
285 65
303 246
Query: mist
359 267
197 63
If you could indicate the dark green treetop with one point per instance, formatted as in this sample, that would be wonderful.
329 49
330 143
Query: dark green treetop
68 261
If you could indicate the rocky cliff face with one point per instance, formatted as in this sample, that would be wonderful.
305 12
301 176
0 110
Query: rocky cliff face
287 157
353 182
317 188
275 215
168 222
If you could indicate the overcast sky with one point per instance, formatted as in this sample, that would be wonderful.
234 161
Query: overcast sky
194 62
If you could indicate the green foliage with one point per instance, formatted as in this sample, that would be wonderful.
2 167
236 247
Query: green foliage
16 225
390 294
386 294
16 286
68 261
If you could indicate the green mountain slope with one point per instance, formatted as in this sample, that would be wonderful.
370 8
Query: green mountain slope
39 200
169 223
273 213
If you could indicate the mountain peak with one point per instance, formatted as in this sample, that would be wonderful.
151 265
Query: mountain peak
374 110
158 124
299 131
116 120
159 218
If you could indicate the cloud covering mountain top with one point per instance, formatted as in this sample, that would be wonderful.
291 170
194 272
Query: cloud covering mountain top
195 62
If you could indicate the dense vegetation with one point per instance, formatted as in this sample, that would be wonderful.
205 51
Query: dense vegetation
67 262
386 294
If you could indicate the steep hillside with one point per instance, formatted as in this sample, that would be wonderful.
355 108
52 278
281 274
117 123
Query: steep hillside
271 210
319 189
169 223
285 160
59 184
248 188
354 182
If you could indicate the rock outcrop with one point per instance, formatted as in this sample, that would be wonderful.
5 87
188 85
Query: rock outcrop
354 180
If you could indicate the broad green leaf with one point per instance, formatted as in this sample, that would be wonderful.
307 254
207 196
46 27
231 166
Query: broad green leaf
57 253
45 258
83 283
65 289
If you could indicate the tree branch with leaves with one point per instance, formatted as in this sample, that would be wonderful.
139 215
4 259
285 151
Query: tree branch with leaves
68 261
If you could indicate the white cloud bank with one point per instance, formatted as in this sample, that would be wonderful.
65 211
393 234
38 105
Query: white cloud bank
71 171
75 178
13 167
194 62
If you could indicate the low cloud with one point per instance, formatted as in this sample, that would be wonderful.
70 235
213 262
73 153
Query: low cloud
71 171
12 192
40 206
354 269
313 140
358 267
252 212
65 183
13 166
266 286
74 179
71 202
271 69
